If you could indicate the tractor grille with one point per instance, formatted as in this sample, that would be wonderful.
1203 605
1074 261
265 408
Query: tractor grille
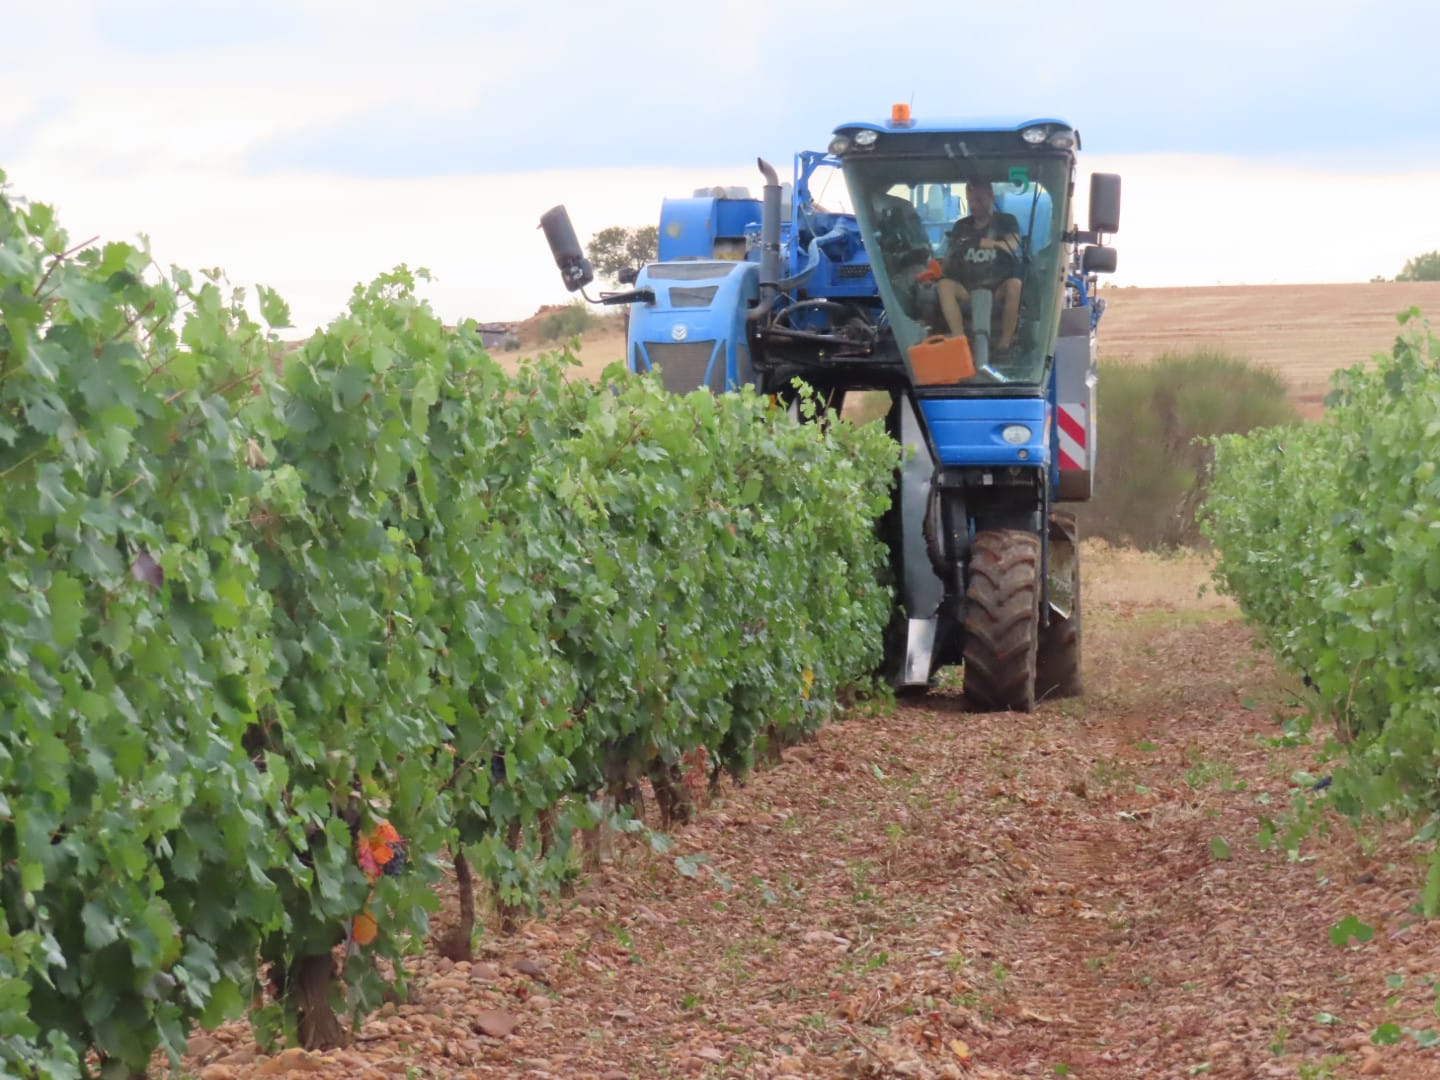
692 295
682 364
698 270
852 270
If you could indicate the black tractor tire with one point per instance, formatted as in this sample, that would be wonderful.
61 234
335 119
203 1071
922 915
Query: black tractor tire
1057 666
1002 621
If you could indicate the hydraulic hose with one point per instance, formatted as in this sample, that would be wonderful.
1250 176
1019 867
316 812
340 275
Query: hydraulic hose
812 261
834 307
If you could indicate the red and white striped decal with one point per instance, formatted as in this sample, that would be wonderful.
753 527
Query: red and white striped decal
1070 422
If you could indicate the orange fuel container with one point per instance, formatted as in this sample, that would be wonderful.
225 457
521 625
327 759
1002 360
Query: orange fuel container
939 360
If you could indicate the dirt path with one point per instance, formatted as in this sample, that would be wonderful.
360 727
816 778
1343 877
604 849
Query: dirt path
933 894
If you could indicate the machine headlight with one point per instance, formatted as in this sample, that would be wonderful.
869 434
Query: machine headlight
1015 434
866 137
1063 140
839 144
1035 135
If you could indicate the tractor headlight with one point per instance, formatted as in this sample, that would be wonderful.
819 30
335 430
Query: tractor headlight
1063 140
839 144
866 137
1015 434
1035 135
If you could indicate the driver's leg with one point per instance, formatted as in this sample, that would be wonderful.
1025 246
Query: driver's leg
952 294
1009 296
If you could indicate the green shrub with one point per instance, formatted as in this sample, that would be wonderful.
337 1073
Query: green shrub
1327 538
1153 462
137 832
574 318
255 618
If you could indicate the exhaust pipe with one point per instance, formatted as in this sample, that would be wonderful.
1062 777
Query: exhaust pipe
769 235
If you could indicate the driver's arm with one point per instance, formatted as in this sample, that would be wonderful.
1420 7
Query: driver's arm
1009 238
1009 242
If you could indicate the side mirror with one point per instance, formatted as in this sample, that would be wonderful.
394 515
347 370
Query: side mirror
575 269
1105 203
1098 260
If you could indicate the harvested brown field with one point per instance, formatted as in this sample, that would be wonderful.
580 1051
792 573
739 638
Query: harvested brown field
1304 332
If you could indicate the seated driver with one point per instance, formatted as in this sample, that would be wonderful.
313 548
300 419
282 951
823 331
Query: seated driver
983 253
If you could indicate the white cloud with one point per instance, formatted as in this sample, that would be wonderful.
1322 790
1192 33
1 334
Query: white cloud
1205 220
156 118
1187 220
313 238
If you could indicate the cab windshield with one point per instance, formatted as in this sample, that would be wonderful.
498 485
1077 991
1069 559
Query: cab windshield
969 246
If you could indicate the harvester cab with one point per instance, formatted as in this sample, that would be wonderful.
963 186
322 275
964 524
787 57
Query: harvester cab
953 285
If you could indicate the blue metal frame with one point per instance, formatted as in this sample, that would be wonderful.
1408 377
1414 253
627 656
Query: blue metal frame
823 256
690 227
674 319
966 431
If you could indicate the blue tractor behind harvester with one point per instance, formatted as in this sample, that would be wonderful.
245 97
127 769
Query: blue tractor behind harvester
997 411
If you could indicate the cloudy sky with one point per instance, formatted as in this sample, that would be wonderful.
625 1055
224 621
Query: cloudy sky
309 145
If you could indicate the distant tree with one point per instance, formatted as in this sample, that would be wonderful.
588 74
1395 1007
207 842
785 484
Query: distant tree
617 249
1421 268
